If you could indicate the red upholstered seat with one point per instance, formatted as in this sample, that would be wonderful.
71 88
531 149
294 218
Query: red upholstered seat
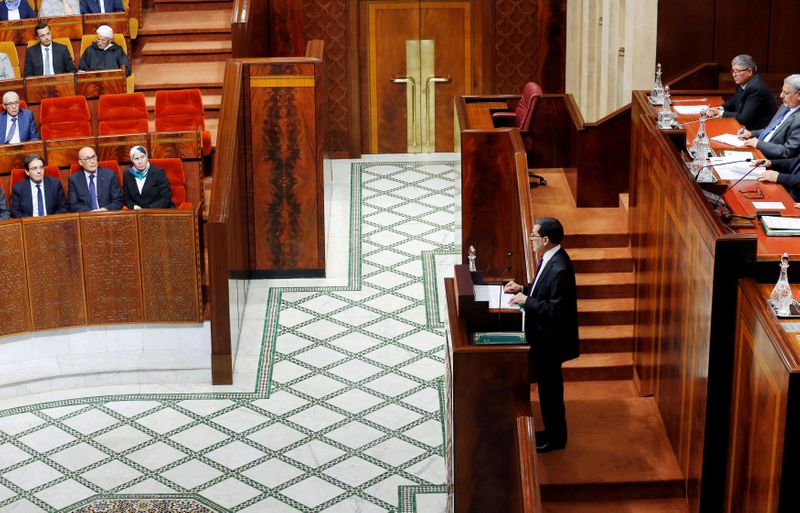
182 110
18 174
65 117
122 114
522 117
173 168
109 164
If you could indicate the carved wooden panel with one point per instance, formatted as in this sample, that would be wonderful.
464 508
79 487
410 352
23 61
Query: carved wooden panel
117 147
55 278
110 248
170 267
63 152
514 39
15 315
286 172
185 145
328 20
53 86
95 83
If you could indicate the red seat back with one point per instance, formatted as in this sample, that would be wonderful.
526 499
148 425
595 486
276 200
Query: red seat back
18 174
179 110
122 114
173 168
526 107
65 117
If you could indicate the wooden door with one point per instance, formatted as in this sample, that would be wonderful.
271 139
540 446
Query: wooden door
415 57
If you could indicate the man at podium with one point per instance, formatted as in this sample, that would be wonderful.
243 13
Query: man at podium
550 305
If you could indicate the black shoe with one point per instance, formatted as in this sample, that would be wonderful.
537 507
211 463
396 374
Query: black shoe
549 446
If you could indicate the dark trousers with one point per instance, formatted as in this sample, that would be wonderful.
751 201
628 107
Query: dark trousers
547 372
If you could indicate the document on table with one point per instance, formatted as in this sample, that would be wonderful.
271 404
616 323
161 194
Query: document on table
729 139
688 110
769 205
781 223
731 167
495 296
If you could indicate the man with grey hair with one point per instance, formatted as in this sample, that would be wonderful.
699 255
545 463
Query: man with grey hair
16 123
753 104
780 139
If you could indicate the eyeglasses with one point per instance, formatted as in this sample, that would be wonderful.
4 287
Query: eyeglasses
735 71
756 193
11 103
89 158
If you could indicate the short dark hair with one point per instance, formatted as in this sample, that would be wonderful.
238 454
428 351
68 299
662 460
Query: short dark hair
30 158
39 26
551 228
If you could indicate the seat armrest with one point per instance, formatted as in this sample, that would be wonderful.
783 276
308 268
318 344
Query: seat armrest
504 119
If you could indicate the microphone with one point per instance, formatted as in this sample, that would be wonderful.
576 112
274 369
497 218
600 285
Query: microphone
735 183
502 285
749 159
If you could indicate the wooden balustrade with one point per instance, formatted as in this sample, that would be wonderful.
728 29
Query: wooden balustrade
118 267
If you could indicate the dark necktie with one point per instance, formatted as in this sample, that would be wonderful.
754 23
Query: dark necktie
48 70
538 266
772 126
40 199
12 130
92 193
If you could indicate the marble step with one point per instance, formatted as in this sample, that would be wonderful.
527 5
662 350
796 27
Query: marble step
185 51
606 339
599 367
605 285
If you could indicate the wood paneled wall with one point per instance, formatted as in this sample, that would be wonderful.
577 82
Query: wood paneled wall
686 265
763 451
100 268
520 41
691 32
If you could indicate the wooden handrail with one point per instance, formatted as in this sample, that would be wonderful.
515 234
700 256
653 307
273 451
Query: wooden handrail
528 473
702 76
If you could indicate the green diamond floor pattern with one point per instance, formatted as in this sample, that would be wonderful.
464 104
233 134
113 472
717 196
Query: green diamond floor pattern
346 414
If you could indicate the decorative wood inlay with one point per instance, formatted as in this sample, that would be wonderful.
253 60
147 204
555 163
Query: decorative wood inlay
328 20
169 254
55 278
15 315
110 247
283 81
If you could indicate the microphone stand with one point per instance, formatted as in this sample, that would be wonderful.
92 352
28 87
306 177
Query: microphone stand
749 159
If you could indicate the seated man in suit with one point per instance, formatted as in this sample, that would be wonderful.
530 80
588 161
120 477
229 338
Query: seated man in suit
12 10
5 213
47 57
781 138
104 54
753 104
51 8
101 6
39 194
145 186
16 123
93 188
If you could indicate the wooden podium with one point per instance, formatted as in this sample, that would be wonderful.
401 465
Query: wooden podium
487 389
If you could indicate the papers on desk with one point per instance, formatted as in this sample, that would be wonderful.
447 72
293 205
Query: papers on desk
495 296
729 139
731 167
769 205
781 226
689 110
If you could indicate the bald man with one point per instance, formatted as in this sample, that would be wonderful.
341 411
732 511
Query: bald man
16 123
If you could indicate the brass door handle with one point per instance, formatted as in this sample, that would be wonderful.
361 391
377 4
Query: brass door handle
431 79
407 79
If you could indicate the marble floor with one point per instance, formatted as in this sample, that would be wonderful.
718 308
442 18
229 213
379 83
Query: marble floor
337 401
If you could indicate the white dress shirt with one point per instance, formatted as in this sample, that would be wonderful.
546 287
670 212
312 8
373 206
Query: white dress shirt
545 258
35 197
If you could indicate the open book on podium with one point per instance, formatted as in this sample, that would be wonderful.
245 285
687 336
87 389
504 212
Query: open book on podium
484 308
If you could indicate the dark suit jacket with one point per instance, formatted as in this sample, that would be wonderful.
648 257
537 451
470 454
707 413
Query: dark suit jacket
789 176
752 106
5 213
156 192
109 194
25 124
551 311
62 62
93 6
22 200
25 11
786 141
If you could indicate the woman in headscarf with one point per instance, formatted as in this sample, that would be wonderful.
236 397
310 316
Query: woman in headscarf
12 10
144 185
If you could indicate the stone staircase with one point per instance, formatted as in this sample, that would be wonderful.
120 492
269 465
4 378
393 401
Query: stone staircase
618 458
